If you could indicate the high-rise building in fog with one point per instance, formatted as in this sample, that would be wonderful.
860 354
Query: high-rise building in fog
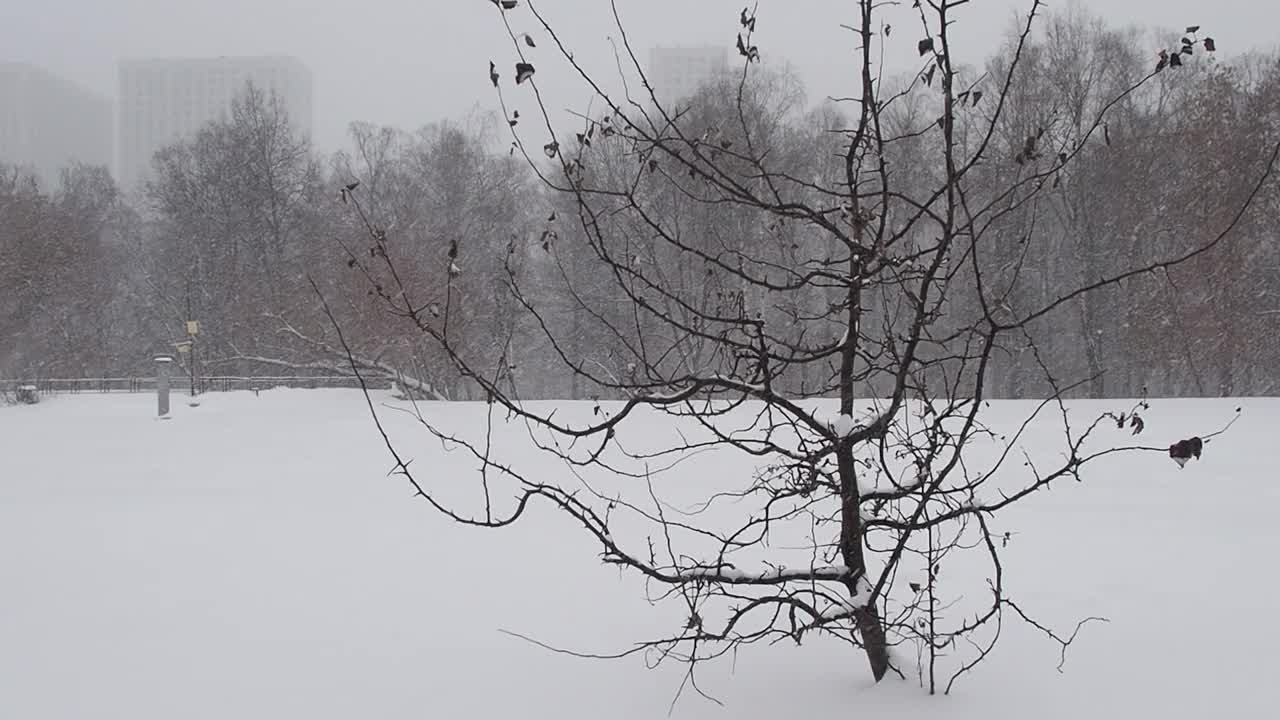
678 72
47 122
164 101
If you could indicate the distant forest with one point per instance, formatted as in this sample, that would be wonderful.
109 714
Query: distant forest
245 228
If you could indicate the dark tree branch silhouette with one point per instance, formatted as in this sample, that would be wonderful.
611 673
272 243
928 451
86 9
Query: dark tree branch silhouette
832 319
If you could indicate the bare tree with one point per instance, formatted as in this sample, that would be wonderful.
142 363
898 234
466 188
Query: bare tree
62 270
876 273
1126 201
449 211
234 216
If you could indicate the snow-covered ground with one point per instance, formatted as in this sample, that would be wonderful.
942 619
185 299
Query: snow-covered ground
250 559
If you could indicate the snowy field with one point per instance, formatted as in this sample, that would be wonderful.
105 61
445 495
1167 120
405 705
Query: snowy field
250 559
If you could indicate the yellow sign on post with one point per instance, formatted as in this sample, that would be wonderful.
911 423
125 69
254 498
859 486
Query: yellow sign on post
193 327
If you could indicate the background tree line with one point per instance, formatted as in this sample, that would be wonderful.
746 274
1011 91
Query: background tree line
242 224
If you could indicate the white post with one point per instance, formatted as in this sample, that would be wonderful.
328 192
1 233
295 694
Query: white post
163 364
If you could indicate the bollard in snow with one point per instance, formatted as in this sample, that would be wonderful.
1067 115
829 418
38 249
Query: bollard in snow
163 363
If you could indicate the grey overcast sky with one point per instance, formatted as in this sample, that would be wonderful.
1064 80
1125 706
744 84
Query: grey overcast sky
409 62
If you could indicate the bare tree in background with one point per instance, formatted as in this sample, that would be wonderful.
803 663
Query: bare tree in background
453 208
1130 197
840 333
234 211
63 260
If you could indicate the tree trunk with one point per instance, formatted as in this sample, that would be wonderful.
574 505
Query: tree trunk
868 618
851 551
873 641
1089 327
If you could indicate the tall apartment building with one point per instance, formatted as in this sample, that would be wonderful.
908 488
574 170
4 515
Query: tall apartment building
164 101
47 123
678 72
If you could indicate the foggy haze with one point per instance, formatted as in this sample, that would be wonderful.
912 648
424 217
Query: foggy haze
409 62
370 278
